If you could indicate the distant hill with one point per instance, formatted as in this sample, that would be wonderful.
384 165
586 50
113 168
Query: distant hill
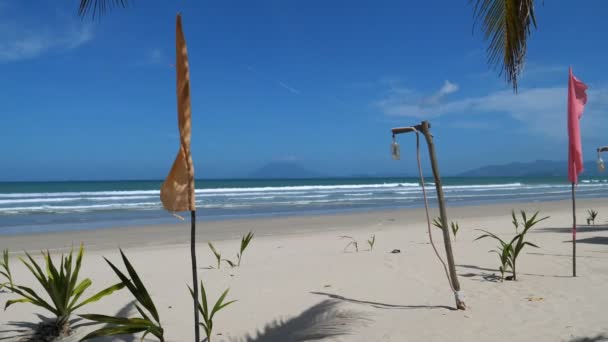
538 168
283 169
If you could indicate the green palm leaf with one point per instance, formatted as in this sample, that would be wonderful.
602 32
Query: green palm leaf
506 26
124 325
61 285
99 7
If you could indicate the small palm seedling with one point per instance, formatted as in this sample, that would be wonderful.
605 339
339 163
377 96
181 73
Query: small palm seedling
371 242
63 288
437 222
5 271
515 221
504 252
217 254
123 325
454 225
352 242
592 215
509 252
245 240
207 322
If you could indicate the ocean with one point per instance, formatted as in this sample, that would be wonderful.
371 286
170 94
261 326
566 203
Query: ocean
29 207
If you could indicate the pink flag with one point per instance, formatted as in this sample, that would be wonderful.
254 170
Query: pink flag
577 98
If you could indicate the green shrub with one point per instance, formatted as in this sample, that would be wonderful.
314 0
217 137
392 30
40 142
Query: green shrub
5 271
207 322
245 240
122 325
352 242
217 254
510 251
592 215
371 242
454 225
62 287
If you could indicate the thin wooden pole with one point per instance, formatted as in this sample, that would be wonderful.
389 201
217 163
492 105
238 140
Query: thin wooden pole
573 231
425 127
197 334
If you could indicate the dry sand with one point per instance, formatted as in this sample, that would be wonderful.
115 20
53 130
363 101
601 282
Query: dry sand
297 283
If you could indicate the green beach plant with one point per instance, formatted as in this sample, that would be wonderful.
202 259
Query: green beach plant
123 325
510 251
504 252
352 242
515 221
207 314
218 255
453 225
245 240
371 242
5 271
62 287
592 215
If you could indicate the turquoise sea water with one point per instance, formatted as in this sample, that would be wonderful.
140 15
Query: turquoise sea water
27 207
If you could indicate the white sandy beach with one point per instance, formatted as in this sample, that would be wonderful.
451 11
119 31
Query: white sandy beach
297 283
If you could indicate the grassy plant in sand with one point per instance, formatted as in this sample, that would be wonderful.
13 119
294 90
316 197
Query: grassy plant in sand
148 323
245 240
515 221
5 271
510 251
62 287
592 215
352 242
454 225
371 242
207 314
217 254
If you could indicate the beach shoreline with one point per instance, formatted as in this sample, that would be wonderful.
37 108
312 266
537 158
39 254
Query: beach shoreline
299 277
179 232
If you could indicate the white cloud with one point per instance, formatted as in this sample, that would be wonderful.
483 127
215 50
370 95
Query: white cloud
540 110
154 57
406 102
288 87
19 42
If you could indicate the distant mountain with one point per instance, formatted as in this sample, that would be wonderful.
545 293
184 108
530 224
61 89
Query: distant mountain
538 168
283 169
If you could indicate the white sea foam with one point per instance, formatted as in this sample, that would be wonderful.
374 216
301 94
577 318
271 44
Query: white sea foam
265 198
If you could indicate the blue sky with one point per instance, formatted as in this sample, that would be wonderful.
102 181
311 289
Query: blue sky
317 82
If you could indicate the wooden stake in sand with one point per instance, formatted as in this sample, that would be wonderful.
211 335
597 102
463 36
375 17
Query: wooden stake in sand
177 192
425 128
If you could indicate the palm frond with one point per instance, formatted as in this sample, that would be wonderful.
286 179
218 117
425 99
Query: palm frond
506 26
99 7
61 285
207 322
245 240
124 325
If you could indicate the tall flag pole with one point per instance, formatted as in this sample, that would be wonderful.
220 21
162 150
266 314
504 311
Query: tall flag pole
177 192
577 98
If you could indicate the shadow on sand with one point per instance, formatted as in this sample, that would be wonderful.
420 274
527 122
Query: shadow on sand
579 229
597 338
36 332
596 240
495 278
41 331
322 320
382 305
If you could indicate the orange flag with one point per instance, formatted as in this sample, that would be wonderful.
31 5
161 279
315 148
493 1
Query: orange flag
177 192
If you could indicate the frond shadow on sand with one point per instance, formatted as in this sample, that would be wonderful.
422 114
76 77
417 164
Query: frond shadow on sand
597 338
322 320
